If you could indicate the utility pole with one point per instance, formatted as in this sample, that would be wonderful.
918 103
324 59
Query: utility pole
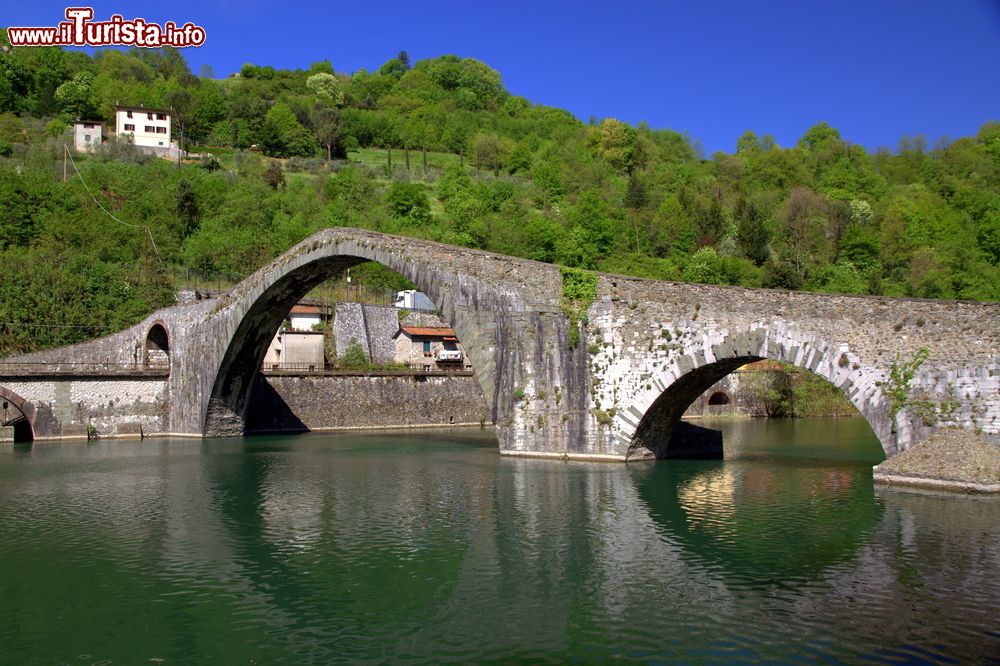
65 155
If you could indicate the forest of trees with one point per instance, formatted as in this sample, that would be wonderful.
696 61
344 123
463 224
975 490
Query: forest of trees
522 179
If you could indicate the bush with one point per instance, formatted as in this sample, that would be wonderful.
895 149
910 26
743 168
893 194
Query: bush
355 357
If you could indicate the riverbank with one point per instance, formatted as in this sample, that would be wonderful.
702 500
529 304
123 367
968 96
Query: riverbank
950 459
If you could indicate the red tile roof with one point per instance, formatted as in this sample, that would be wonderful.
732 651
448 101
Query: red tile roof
304 309
428 332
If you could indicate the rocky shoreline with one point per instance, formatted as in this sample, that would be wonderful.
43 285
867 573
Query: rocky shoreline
948 460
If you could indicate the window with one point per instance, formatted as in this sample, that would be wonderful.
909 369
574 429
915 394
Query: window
161 116
427 346
160 143
149 116
88 125
150 129
86 138
161 130
128 114
129 127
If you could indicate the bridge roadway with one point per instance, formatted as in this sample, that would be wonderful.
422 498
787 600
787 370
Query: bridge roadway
646 349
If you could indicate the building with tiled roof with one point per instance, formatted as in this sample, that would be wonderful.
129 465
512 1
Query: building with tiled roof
429 348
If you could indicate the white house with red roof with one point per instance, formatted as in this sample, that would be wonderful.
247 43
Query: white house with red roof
305 317
298 344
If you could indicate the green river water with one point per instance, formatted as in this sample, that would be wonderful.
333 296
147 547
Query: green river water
430 547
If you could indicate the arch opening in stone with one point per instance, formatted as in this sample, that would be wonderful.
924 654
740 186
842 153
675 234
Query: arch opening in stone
767 390
718 398
157 351
18 414
369 347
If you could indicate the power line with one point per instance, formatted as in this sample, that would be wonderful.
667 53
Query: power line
101 206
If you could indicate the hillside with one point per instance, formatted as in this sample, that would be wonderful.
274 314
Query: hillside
502 174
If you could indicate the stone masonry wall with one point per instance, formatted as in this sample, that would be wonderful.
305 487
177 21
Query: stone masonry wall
645 337
348 325
381 324
63 408
311 402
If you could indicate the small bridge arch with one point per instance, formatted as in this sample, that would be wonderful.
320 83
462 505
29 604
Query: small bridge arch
156 351
649 421
718 398
24 427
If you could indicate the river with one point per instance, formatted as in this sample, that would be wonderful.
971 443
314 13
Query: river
428 546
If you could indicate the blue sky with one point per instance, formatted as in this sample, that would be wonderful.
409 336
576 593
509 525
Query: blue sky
876 69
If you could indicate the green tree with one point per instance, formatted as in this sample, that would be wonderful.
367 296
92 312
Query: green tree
74 96
328 125
283 136
187 206
748 144
181 104
617 144
989 236
751 231
704 266
408 203
326 87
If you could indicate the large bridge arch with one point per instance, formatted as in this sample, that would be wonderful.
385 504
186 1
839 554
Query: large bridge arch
259 304
648 421
24 430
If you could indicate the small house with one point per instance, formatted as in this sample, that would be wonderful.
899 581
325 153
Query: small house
429 348
147 127
87 134
305 317
299 343
296 350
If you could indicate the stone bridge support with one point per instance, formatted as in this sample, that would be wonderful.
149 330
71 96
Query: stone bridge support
64 407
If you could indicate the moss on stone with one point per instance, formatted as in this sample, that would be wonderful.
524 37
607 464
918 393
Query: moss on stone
579 289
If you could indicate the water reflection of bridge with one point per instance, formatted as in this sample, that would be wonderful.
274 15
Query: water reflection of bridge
331 546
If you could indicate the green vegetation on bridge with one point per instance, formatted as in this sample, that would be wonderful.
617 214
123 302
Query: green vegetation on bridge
502 174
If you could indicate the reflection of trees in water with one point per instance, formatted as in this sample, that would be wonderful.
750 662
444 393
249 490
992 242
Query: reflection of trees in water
946 542
759 522
310 550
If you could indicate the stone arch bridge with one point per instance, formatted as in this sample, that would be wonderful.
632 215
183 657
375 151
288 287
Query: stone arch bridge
644 350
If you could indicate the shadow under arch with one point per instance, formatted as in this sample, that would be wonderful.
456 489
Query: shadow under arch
719 398
156 352
24 427
658 409
269 294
